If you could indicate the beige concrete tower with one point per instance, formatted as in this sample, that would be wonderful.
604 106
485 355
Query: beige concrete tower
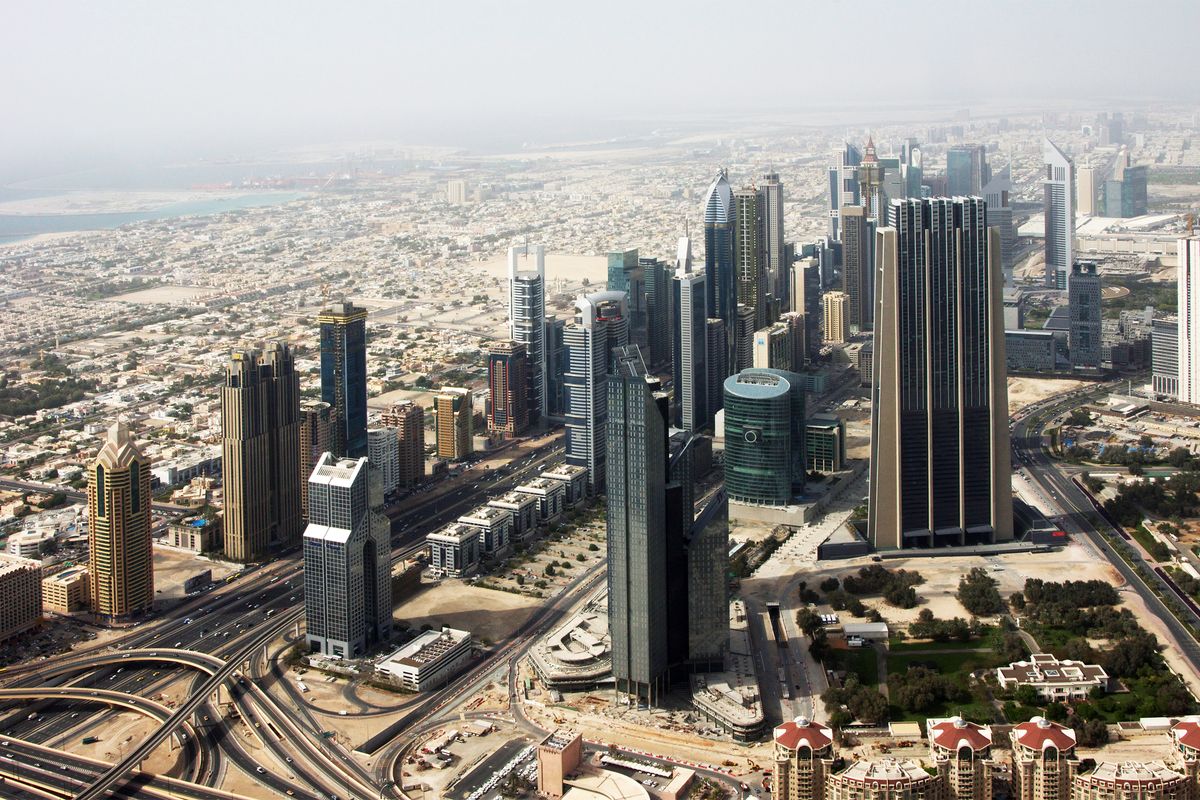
121 566
836 308
453 413
408 419
317 421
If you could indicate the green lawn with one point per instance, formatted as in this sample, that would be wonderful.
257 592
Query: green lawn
974 711
945 663
990 638
859 660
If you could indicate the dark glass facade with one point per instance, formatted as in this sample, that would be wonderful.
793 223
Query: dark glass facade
344 374
764 437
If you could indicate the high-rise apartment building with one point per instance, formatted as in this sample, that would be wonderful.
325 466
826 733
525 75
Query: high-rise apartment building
776 266
1058 187
408 419
843 186
797 323
1084 335
344 374
347 560
1044 764
803 759
454 422
765 460
719 269
316 437
836 311
21 594
260 452
456 192
1164 345
1188 338
967 170
690 365
773 347
940 471
600 327
857 268
1086 190
383 455
556 364
508 384
120 558
748 253
527 322
962 753
637 519
626 274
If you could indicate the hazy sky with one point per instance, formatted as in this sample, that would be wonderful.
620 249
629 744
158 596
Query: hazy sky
103 76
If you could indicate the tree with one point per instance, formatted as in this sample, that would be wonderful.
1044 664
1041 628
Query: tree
978 594
1172 698
1136 469
808 621
1091 732
856 607
1056 712
1026 695
829 584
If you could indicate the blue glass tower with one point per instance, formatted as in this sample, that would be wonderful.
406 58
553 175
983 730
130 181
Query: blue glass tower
344 374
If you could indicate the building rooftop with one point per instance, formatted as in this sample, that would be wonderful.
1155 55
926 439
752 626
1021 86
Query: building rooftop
337 472
427 648
955 733
1040 733
803 732
889 770
558 740
1131 772
455 532
484 515
1044 668
68 575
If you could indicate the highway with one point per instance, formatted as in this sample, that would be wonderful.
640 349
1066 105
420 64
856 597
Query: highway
1078 517
76 495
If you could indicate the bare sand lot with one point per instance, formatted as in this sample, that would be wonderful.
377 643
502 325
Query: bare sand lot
572 269
489 614
1024 391
165 295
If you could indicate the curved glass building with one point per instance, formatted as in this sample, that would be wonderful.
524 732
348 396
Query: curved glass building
764 437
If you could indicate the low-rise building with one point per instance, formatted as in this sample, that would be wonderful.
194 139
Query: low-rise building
522 509
28 544
574 480
20 595
428 661
493 525
197 534
558 755
1030 351
66 592
1150 780
550 495
1053 679
454 550
825 443
885 779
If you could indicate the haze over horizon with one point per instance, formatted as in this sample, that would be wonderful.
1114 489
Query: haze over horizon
103 81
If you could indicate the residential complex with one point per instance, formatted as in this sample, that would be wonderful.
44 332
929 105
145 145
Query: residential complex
454 418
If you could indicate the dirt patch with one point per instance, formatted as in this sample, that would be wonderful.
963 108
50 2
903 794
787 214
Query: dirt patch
488 614
1025 391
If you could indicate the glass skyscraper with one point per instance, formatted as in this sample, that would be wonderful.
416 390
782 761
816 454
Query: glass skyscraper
719 270
690 365
344 374
527 324
1058 186
765 456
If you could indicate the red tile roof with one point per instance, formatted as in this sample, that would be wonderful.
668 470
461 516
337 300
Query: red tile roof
802 732
953 734
1040 733
1187 733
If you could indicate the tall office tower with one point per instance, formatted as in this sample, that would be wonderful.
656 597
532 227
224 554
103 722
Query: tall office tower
939 419
962 753
798 327
718 367
776 265
748 253
719 269
600 327
625 274
408 419
967 170
1188 299
317 423
637 520
690 366
347 560
260 453
743 351
1083 302
556 365
910 168
857 266
658 275
765 457
1164 346
383 455
803 759
843 186
996 193
1044 764
1125 192
1086 191
120 562
773 347
870 184
1059 188
344 374
508 382
527 322
454 421
836 311
806 285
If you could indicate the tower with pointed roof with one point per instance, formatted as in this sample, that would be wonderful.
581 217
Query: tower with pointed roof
719 266
870 181
121 566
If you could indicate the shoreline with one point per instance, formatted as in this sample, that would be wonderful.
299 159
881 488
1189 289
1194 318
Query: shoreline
116 201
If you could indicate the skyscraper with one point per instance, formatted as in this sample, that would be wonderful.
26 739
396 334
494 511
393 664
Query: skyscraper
637 519
1188 293
508 382
408 419
940 470
690 364
454 418
719 269
773 347
836 310
625 274
120 561
344 374
743 351
383 455
1083 303
659 316
316 437
718 366
870 184
1125 192
1058 186
527 322
776 266
556 365
260 452
748 253
857 266
996 193
765 458
347 560
1164 344
599 328
967 170
843 185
